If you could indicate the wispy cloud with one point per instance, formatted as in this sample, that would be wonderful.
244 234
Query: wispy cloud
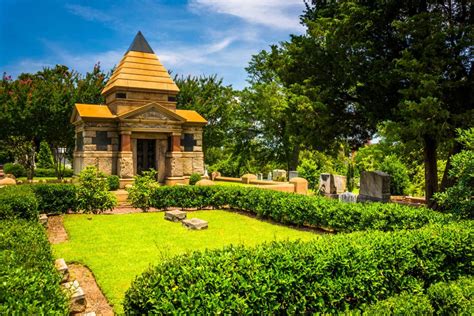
279 14
88 13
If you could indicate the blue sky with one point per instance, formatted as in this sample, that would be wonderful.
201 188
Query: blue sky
190 37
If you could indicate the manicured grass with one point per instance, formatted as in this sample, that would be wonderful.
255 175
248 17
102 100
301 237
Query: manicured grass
118 247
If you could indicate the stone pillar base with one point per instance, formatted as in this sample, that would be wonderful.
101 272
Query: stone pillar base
175 180
125 164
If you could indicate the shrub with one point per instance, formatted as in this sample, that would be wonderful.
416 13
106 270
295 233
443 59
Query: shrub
298 209
195 177
114 182
45 157
93 194
139 195
328 275
18 202
399 179
29 282
39 172
56 198
442 298
15 169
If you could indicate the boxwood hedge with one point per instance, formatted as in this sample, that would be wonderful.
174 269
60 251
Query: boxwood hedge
443 298
29 283
18 202
56 198
298 209
330 275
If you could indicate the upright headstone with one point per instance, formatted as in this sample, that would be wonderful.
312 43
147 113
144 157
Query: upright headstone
292 174
374 186
348 197
259 176
332 185
279 175
269 177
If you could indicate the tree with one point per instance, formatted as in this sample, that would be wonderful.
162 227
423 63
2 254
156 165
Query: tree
45 157
363 63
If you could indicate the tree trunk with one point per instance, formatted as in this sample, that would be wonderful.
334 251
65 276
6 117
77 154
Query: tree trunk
431 169
295 157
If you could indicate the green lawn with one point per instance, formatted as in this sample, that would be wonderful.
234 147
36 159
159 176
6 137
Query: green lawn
118 247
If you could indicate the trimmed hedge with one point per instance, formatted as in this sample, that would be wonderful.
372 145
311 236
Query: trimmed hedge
298 209
29 282
56 198
443 298
15 169
330 275
18 202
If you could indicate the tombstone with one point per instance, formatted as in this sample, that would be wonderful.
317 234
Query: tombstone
374 186
331 185
62 268
214 175
78 297
259 176
269 176
348 197
43 219
248 177
195 224
279 175
175 215
292 174
206 174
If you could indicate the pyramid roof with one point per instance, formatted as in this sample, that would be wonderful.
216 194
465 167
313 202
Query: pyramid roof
141 69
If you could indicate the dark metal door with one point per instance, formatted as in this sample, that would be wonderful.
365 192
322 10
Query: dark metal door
146 154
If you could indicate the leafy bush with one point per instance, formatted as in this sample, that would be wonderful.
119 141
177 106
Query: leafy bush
45 157
442 298
328 275
139 195
312 164
458 198
39 172
29 282
93 194
15 169
56 198
18 202
297 209
114 182
399 179
195 177
402 304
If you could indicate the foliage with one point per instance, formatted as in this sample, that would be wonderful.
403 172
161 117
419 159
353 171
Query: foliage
15 169
297 209
442 298
312 164
18 202
328 275
29 282
114 182
139 195
93 194
458 198
131 242
399 180
56 198
40 172
45 157
195 177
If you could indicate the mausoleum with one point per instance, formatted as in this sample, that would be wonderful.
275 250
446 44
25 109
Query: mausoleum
139 127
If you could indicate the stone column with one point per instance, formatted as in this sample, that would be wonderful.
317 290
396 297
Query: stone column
125 156
175 142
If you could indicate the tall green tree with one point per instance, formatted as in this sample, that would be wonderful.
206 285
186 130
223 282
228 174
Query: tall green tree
360 63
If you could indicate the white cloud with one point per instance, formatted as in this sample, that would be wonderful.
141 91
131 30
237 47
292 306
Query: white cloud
88 13
279 14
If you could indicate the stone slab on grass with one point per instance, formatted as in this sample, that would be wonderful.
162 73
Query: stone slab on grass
43 218
175 215
63 269
195 223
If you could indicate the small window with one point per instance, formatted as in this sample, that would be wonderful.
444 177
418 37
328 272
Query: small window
121 95
171 98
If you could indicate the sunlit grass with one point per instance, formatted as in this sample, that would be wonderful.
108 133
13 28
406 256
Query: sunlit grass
118 247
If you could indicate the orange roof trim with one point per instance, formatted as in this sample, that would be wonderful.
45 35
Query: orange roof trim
94 111
191 116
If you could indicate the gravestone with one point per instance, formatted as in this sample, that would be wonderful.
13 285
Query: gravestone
259 176
348 197
78 297
43 219
62 268
374 186
175 215
269 176
292 174
331 185
279 175
195 223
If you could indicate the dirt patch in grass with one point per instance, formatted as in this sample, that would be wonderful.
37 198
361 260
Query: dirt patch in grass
56 232
96 301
